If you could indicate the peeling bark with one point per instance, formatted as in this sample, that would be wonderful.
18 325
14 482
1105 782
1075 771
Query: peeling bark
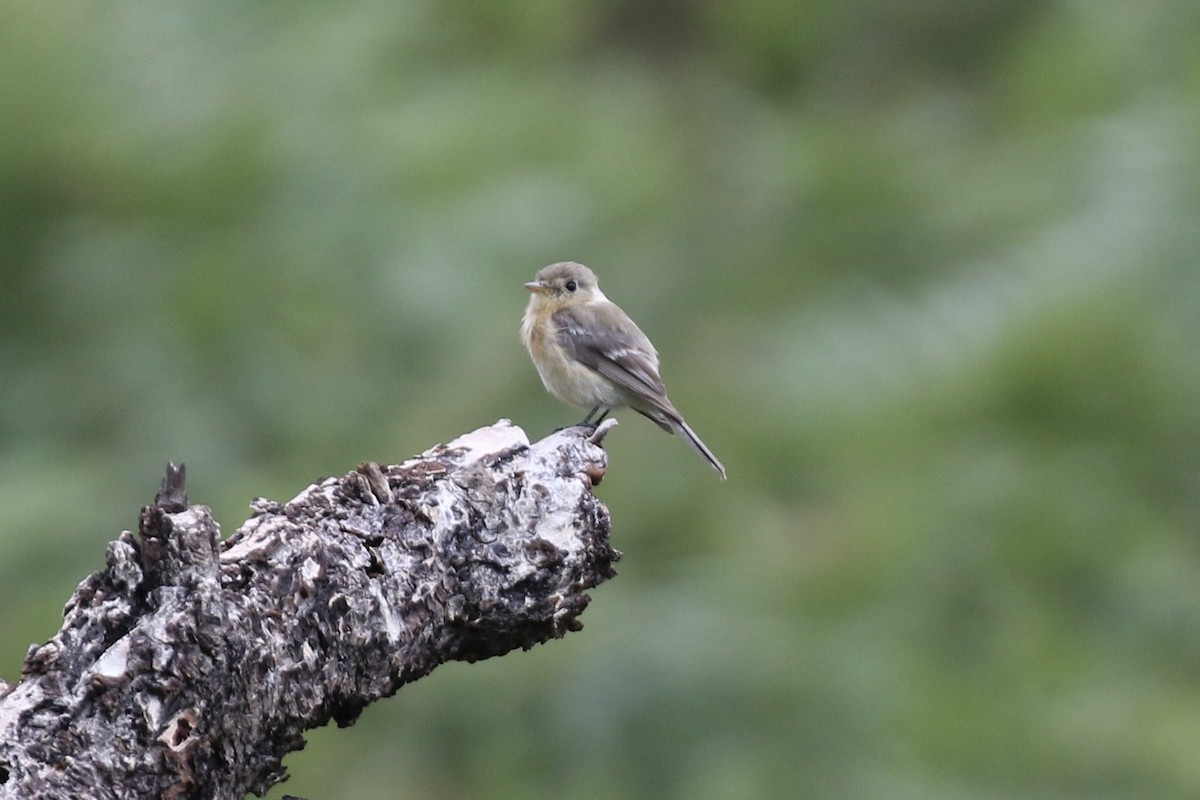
190 666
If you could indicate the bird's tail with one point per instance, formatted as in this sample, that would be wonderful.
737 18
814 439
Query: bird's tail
691 438
664 415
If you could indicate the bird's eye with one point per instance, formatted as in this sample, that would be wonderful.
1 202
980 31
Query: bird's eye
572 286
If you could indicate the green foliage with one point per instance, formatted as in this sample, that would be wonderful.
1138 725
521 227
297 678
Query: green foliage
922 274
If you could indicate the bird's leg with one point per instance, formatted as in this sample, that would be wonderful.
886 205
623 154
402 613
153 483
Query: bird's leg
588 419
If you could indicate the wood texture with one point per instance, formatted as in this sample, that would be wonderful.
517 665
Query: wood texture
190 666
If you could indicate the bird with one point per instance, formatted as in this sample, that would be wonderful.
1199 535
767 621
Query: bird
590 354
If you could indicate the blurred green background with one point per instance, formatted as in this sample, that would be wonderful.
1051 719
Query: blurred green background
923 274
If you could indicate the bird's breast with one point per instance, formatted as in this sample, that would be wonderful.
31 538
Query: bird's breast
567 379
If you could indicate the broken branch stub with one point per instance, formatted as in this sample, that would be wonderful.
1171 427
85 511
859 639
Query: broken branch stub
190 666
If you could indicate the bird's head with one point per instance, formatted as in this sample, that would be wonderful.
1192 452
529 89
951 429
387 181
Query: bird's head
564 284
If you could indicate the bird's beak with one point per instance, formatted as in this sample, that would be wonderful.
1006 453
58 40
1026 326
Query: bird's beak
537 287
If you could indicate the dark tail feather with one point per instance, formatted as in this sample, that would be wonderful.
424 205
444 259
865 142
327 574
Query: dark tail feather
691 438
666 417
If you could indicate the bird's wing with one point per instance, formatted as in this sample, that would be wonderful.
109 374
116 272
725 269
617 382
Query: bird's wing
609 342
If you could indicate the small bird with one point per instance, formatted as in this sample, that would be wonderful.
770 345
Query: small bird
590 354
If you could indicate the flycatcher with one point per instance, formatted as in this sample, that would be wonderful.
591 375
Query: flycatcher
590 354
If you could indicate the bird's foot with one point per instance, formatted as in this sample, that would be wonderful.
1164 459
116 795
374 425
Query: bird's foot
591 426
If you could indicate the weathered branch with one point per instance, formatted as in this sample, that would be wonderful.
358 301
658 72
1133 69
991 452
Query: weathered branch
190 666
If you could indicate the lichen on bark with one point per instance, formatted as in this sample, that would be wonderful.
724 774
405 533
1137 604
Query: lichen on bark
190 666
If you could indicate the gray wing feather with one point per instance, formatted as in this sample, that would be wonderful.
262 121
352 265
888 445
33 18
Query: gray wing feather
616 348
